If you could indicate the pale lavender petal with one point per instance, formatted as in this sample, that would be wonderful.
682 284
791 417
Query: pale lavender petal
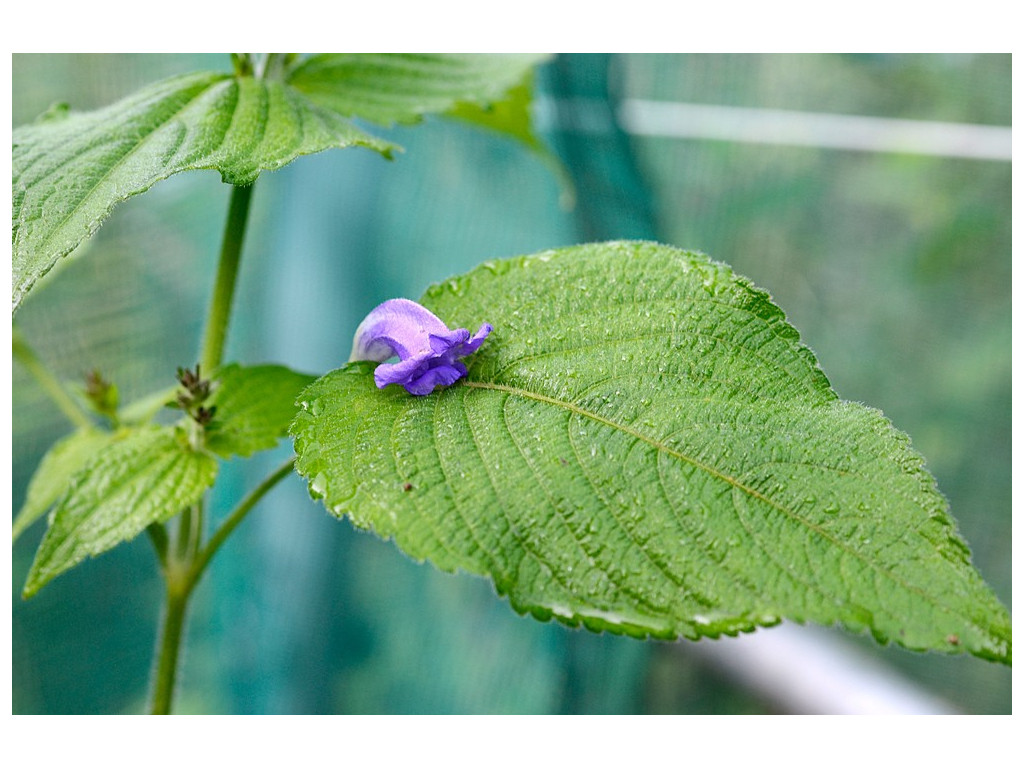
395 327
428 352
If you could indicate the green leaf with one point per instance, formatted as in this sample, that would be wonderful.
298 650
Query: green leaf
644 446
146 407
148 475
64 459
254 406
391 88
511 117
69 171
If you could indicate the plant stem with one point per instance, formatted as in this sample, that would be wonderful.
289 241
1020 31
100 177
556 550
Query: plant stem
183 566
179 562
170 644
227 272
158 535
50 383
231 521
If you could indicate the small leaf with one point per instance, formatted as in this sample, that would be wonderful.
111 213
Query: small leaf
64 459
644 446
511 117
388 88
254 406
148 475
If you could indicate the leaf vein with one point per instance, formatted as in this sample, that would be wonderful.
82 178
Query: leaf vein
734 483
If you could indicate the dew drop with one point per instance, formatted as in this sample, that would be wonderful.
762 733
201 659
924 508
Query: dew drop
319 485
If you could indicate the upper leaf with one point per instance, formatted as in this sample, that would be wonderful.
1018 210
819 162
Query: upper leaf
402 87
71 169
643 445
254 406
147 475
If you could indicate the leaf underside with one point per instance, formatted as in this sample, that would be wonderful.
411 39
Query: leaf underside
644 446
70 169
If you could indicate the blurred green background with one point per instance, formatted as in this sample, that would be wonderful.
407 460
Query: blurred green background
895 268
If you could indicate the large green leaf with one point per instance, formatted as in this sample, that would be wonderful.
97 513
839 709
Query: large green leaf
254 406
147 476
71 169
644 446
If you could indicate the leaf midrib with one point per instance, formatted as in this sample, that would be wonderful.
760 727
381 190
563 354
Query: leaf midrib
728 479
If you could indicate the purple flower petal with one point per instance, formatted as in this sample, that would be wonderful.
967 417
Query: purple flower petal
396 327
428 352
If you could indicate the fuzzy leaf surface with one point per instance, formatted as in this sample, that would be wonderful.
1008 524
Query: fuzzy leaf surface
71 169
643 445
147 475
255 405
64 459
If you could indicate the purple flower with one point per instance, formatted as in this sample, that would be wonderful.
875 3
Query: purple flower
427 351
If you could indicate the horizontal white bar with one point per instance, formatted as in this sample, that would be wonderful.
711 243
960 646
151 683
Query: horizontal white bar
813 129
810 670
678 120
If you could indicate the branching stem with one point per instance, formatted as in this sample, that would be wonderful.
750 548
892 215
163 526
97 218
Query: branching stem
237 516
183 567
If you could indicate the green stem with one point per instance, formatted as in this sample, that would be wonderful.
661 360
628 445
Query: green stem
180 561
184 536
170 643
183 568
158 535
227 273
237 516
50 384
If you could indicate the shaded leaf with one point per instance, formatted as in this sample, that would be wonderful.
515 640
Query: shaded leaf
254 406
511 117
147 475
64 459
391 88
644 446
